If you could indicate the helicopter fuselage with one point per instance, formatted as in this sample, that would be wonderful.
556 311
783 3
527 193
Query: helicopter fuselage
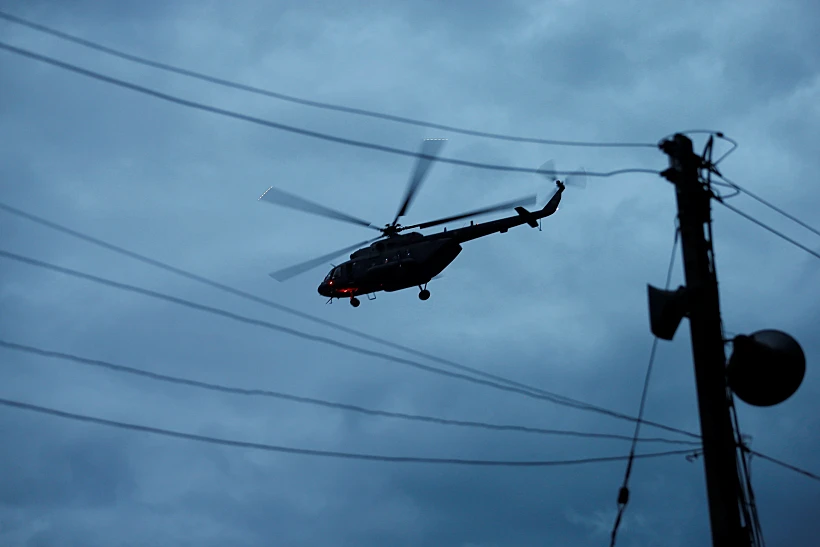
412 259
398 263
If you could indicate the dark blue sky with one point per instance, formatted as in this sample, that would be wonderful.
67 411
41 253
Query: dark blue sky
563 309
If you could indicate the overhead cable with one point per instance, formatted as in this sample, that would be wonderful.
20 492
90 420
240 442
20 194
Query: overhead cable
771 206
318 402
781 463
298 100
322 453
765 226
297 130
315 338
623 493
270 303
745 489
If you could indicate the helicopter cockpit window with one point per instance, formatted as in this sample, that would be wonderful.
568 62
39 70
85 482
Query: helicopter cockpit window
327 277
337 273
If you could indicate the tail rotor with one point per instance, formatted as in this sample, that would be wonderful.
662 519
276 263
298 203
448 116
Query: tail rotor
578 179
575 180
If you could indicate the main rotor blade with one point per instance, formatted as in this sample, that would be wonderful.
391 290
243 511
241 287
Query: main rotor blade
429 147
530 200
286 273
280 197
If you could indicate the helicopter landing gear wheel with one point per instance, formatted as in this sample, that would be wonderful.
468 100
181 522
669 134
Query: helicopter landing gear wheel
354 302
424 294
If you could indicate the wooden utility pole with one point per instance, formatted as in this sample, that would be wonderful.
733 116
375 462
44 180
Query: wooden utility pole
703 309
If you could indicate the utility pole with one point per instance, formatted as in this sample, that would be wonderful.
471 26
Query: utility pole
702 306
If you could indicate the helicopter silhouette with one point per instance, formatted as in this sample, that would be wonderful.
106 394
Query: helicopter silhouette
394 260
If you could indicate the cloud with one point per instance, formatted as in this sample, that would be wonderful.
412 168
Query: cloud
563 309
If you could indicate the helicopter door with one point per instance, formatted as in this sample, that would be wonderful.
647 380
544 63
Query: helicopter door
347 270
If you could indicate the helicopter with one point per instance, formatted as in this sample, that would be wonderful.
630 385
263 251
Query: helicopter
399 259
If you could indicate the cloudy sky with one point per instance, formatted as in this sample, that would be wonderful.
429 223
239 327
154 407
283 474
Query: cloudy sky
563 309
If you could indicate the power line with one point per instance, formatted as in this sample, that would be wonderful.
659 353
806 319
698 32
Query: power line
746 495
726 154
770 229
623 493
322 339
270 303
747 499
323 453
794 468
105 78
772 206
297 130
318 402
236 292
289 98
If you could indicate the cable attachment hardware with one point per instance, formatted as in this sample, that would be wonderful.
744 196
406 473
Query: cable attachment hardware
623 496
